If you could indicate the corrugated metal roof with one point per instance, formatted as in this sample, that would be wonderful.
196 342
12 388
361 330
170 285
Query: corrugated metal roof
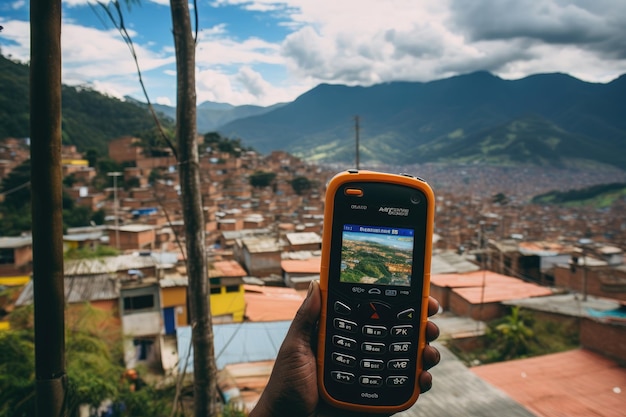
577 383
8 242
458 392
449 262
236 342
303 238
108 265
566 304
261 244
79 289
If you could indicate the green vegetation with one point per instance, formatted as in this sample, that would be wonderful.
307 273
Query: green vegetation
15 213
520 334
217 142
600 196
94 368
90 119
261 179
301 185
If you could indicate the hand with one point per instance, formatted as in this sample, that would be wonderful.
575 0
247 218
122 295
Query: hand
292 388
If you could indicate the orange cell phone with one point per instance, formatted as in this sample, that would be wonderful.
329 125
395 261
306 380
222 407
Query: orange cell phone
375 277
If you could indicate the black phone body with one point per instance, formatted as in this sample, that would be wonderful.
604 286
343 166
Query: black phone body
375 276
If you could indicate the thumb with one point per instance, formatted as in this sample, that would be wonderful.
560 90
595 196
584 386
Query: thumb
304 324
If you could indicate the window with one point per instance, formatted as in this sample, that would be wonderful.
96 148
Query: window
232 288
139 302
7 256
216 290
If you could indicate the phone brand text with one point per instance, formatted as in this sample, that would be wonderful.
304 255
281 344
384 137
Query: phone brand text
358 207
394 211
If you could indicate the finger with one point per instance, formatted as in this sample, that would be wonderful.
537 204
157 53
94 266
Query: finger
430 357
432 331
304 323
425 381
433 306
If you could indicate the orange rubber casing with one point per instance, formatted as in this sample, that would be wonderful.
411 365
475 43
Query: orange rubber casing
361 177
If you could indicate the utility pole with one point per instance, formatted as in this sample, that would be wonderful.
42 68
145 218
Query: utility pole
115 205
47 207
356 131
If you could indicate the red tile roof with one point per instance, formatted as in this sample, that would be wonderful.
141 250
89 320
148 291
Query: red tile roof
271 303
230 269
577 383
497 287
302 266
470 279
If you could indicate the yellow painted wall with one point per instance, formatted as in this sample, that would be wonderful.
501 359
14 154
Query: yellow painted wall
15 281
229 303
80 162
224 303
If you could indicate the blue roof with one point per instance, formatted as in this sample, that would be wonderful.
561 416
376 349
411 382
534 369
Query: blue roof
236 343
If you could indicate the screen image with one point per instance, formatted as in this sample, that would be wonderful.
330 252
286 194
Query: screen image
376 255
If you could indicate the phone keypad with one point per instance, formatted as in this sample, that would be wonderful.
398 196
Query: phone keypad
362 335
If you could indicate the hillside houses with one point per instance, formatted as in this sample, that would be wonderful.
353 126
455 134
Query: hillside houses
263 246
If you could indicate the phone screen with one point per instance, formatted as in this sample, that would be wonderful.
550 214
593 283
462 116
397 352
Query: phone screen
376 255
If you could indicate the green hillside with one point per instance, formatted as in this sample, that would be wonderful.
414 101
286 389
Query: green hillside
599 196
90 119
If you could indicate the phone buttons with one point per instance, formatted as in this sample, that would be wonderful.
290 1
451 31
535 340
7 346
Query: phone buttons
344 342
345 325
343 377
399 364
402 331
371 380
406 314
369 347
345 360
372 364
374 291
400 347
375 331
397 381
342 308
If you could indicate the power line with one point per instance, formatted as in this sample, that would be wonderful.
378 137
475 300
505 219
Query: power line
19 187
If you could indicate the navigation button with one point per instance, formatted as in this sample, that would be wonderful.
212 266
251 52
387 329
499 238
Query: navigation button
406 314
342 308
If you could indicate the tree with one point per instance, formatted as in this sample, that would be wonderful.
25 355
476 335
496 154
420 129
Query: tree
301 184
205 368
512 337
261 179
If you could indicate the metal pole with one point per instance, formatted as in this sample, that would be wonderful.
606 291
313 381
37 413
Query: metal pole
115 204
47 207
356 128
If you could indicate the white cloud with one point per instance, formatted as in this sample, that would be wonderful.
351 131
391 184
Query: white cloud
165 101
353 42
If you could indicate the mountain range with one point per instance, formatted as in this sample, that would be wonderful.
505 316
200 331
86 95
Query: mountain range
546 119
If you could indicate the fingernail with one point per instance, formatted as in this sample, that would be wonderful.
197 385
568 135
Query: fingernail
310 290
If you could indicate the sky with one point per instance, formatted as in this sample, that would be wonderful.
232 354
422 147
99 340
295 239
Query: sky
264 52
